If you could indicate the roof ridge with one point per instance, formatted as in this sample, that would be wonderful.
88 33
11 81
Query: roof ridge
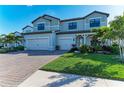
77 18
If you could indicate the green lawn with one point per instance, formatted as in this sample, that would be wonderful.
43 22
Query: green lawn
96 65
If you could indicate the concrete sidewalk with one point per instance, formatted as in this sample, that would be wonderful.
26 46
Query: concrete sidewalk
53 79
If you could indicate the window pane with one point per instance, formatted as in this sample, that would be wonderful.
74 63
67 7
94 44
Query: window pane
72 25
41 26
95 22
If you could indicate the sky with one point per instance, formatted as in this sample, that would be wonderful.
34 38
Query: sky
14 18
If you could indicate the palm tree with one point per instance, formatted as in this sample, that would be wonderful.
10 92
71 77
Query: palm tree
100 34
114 32
117 33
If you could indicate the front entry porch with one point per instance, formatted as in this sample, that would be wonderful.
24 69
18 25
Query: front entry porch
83 39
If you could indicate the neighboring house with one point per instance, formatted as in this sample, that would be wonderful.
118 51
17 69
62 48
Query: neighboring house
27 29
21 42
18 43
48 31
1 45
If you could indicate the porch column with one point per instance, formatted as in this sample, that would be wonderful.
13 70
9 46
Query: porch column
84 39
53 40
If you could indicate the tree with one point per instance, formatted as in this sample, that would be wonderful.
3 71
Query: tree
2 39
18 39
114 33
100 34
117 33
9 39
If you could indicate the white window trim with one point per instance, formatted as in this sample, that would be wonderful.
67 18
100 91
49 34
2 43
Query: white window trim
94 18
72 29
41 23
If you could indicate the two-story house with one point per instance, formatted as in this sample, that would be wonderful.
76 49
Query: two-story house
48 31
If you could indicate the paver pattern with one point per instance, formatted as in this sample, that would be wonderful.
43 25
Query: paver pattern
17 66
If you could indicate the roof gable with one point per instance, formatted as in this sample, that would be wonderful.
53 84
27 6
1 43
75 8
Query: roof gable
96 12
45 18
51 16
26 27
79 18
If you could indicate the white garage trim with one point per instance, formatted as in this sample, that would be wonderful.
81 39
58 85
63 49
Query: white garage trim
65 37
38 43
37 37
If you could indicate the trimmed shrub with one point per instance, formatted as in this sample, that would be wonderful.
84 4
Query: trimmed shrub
115 49
73 49
98 48
106 48
86 49
18 48
12 49
4 50
90 49
1 46
83 49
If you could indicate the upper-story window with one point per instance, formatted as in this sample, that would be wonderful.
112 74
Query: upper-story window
72 25
95 22
41 26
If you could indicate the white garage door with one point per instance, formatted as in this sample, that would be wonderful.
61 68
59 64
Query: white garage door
38 43
65 43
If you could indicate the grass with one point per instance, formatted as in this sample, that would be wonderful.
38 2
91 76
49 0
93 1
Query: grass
96 65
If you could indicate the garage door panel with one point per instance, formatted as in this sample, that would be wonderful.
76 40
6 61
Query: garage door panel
38 44
65 43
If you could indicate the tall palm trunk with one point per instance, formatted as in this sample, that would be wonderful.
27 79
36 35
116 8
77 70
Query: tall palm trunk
121 50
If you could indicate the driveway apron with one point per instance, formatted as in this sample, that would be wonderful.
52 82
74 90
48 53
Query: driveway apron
17 66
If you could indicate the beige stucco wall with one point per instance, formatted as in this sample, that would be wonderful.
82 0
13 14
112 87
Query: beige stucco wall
49 25
80 25
84 24
103 20
41 20
53 21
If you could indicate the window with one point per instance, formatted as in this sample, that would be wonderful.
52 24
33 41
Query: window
95 22
41 26
72 25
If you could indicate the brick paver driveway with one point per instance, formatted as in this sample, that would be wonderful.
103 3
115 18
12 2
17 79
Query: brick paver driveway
16 67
